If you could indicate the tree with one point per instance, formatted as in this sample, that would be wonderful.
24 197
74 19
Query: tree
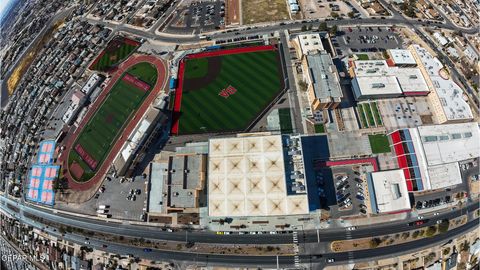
443 227
334 15
351 14
302 85
323 26
375 242
304 28
333 30
446 251
431 231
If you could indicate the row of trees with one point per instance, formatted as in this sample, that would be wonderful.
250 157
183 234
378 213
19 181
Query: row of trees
322 27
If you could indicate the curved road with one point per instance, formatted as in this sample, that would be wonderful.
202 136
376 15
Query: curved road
316 260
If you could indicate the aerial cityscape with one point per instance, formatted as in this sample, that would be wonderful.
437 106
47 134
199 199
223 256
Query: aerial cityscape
239 134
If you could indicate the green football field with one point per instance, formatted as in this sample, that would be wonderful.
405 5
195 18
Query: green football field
102 130
113 57
256 76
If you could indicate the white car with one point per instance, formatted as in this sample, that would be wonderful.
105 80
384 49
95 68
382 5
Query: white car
351 228
273 232
436 214
330 260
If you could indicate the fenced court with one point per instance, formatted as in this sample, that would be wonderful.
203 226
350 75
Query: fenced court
225 90
100 133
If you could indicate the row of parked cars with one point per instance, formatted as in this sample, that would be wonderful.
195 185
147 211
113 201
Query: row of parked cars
432 202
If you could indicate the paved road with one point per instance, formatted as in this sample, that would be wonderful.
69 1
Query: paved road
148 232
179 39
314 260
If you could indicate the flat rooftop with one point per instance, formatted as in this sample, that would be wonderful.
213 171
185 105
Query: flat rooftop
340 145
402 57
247 177
410 80
390 191
375 77
449 143
450 94
156 198
324 76
445 175
310 42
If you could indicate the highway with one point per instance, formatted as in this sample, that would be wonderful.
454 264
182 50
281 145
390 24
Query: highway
314 260
149 232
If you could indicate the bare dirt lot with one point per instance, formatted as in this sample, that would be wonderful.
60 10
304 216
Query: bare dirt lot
257 11
314 9
233 12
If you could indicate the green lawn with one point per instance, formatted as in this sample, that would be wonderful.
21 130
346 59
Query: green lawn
112 58
368 111
376 113
285 120
362 56
361 114
257 77
196 68
379 143
319 128
102 130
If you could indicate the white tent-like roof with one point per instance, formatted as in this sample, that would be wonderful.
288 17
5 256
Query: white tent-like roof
247 178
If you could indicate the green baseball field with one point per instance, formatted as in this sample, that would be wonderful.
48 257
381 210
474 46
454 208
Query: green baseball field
100 133
117 50
227 92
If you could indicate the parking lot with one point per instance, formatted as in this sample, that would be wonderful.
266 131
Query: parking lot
366 39
343 190
198 17
114 193
125 197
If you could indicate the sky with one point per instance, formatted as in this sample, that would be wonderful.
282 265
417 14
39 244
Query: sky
3 5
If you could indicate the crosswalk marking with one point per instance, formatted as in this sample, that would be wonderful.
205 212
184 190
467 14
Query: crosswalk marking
296 249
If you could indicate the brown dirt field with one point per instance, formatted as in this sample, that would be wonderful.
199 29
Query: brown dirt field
233 12
214 67
257 11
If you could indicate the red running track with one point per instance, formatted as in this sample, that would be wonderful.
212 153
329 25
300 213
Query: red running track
159 85
181 70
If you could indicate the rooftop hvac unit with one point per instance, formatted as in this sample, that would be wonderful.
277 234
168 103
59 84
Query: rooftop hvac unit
413 77
378 85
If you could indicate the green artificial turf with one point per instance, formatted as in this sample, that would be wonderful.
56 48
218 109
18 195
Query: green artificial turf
196 68
368 112
111 58
379 143
102 130
362 56
257 77
319 128
376 114
285 120
361 114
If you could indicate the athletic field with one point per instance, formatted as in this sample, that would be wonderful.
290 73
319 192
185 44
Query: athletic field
225 90
118 49
100 133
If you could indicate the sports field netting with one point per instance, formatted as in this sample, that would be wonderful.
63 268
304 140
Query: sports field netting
100 133
222 93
